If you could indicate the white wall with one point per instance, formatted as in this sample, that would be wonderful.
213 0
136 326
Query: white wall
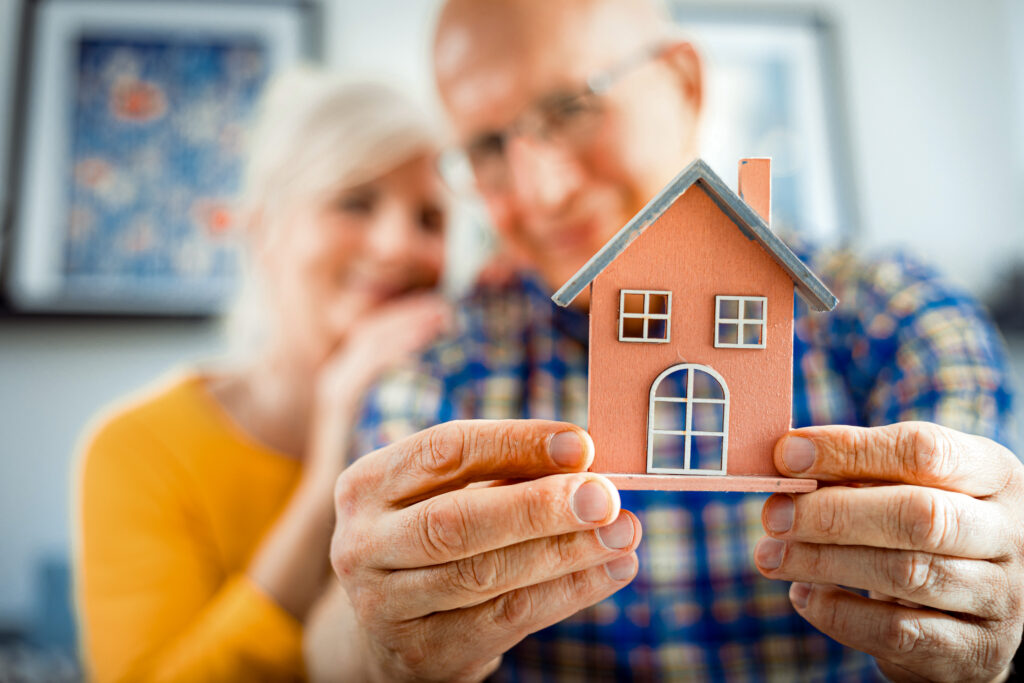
933 130
934 127
931 94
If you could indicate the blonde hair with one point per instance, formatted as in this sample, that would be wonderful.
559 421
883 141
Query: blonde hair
315 133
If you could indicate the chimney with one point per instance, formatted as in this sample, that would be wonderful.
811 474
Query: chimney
756 186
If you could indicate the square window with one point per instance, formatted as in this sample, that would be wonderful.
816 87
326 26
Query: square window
741 321
645 316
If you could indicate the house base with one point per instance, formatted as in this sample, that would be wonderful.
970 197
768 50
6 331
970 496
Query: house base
683 482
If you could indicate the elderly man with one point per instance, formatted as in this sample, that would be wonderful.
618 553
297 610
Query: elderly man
483 546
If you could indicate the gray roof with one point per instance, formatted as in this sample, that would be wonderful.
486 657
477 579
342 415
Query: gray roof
810 288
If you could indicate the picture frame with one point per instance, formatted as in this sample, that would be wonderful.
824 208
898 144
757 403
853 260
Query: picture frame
129 140
774 88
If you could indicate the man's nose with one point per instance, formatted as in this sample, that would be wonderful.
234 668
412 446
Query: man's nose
544 175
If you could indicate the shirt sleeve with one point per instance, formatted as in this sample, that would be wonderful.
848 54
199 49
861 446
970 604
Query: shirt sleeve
154 604
914 347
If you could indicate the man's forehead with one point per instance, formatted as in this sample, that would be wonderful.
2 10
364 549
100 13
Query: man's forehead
490 63
476 69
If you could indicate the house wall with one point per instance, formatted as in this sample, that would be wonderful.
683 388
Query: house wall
695 251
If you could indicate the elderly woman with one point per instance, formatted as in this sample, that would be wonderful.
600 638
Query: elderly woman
205 506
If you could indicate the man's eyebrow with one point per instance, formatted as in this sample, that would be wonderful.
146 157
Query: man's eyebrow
563 96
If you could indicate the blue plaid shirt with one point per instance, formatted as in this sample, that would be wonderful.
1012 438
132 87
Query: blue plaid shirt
903 345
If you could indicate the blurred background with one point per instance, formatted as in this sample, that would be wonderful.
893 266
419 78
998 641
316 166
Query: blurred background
894 124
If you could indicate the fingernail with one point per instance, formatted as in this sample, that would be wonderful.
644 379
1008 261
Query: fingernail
620 569
798 453
799 593
768 553
778 516
591 502
618 534
567 449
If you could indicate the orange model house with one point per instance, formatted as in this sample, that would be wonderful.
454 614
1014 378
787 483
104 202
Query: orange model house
691 338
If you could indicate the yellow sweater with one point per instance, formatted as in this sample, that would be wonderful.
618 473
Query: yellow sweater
173 501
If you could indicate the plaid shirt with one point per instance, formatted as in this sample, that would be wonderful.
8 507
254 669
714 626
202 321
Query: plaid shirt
902 346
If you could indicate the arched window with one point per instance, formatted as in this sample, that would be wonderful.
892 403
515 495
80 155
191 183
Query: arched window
688 421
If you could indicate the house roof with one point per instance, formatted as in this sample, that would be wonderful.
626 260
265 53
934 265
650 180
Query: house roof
810 288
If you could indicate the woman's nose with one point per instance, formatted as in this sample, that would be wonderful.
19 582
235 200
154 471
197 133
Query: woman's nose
392 236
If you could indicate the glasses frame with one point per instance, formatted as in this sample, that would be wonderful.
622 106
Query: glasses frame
457 161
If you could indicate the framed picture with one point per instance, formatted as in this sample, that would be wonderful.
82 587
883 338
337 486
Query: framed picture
773 89
131 134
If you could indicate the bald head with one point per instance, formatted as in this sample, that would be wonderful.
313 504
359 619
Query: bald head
473 36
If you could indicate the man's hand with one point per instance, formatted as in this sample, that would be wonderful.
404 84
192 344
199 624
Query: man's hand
938 540
444 576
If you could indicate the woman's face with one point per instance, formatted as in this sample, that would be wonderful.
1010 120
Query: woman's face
332 263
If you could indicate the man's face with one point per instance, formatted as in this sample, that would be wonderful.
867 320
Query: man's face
555 201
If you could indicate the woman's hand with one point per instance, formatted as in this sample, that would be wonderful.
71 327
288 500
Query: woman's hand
377 342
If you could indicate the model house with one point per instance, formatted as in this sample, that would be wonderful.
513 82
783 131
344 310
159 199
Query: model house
691 337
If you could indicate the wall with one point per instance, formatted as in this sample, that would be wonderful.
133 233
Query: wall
931 106
54 375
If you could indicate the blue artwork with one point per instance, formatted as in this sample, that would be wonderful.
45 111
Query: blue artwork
156 155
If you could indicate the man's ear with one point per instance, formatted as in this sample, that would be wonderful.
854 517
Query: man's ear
685 62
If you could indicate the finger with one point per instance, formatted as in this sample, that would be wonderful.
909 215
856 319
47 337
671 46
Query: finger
875 595
945 583
909 452
931 644
464 523
500 623
901 517
453 454
476 579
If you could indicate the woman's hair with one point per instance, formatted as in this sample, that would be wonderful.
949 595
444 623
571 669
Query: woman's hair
315 133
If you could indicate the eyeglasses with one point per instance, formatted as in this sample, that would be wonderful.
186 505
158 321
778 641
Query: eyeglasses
569 119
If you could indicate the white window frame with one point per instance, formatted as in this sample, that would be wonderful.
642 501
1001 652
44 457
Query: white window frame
741 321
646 316
687 432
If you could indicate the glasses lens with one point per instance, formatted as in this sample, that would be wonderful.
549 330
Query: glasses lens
562 118
569 118
485 155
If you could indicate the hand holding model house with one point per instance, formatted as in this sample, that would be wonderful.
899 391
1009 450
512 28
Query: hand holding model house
690 388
